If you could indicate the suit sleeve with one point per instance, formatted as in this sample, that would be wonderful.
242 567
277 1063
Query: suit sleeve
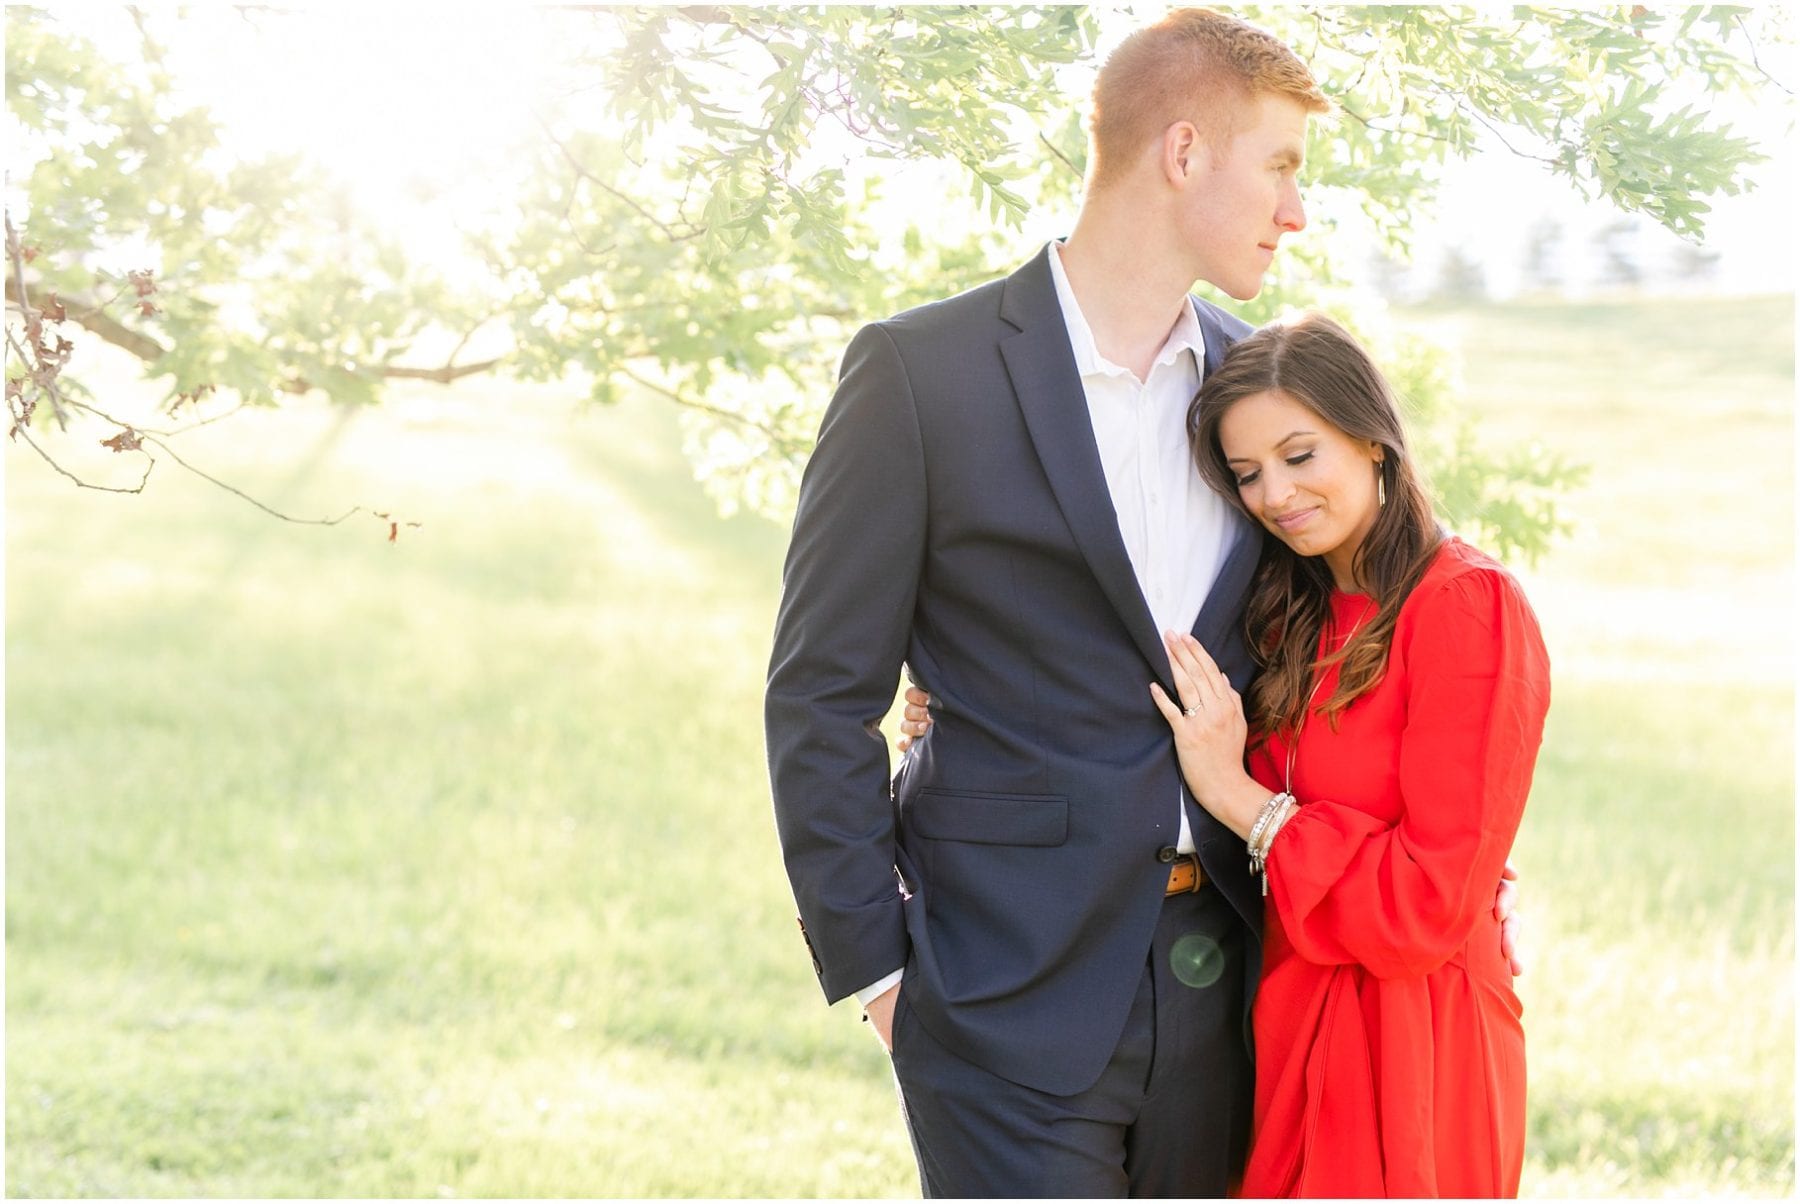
848 590
1400 898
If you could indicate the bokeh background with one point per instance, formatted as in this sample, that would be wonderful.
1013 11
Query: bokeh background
444 866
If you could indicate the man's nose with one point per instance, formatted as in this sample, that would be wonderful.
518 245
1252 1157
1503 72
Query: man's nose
1291 214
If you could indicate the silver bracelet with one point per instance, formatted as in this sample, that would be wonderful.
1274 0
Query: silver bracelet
1265 834
1262 821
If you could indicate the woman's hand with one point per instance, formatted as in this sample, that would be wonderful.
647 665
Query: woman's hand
1209 732
915 720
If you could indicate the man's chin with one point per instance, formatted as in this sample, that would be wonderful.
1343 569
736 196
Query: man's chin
1244 291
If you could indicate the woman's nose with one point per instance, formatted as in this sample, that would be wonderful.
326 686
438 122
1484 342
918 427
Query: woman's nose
1278 489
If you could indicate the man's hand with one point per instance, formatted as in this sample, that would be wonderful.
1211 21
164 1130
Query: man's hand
881 1016
1506 900
915 720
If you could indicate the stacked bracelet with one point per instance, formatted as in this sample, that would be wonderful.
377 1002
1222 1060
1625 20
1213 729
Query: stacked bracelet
1269 820
1262 821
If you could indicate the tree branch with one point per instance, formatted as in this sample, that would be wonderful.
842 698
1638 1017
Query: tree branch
1749 41
20 428
1388 129
782 443
464 341
442 376
842 113
92 317
42 375
153 51
569 224
286 518
98 306
197 424
138 437
582 171
1463 104
1057 151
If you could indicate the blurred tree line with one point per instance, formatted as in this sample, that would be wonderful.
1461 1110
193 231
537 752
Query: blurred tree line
702 222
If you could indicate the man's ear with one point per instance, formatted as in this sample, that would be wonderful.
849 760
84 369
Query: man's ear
1183 152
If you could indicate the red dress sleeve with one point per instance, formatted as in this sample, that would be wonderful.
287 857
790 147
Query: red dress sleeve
1399 897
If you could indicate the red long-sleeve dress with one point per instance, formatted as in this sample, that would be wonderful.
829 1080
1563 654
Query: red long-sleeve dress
1390 1060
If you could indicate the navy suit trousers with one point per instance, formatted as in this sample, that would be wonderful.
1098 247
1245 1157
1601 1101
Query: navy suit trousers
1169 1117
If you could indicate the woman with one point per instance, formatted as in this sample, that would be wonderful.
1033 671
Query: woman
1391 735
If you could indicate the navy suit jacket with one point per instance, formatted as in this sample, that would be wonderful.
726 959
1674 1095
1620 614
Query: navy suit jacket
955 518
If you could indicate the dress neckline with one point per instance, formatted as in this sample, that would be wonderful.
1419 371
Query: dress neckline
1351 607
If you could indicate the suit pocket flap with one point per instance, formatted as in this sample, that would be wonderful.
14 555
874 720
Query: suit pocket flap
1017 819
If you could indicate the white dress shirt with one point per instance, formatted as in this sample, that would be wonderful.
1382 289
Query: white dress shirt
1177 531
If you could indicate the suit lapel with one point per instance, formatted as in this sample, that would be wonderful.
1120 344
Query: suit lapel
1042 367
1225 600
1217 341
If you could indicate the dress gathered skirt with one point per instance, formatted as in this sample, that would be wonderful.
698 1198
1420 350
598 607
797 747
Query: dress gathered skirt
1390 1058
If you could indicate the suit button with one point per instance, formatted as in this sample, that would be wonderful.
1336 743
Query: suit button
1166 854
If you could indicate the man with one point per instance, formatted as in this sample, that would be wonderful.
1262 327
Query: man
1002 499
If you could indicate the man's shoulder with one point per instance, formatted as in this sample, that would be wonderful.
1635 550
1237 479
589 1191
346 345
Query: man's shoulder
1234 327
948 315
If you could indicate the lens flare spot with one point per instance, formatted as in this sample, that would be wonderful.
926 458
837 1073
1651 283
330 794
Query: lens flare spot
1197 960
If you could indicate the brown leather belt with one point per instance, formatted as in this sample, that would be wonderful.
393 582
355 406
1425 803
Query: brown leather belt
1185 875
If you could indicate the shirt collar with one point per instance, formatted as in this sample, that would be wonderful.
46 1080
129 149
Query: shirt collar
1185 335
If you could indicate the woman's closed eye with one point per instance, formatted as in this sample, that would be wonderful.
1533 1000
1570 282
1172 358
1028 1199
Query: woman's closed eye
1293 461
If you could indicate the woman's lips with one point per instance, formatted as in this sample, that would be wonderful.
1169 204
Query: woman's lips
1296 520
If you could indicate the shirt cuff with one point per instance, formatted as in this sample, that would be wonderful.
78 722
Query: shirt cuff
875 989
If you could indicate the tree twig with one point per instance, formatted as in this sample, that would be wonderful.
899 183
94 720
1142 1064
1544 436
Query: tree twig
442 376
783 443
153 52
42 377
141 436
1057 151
842 114
92 317
1754 61
196 424
1463 104
97 412
464 341
21 429
569 224
97 321
288 518
99 306
1388 129
582 170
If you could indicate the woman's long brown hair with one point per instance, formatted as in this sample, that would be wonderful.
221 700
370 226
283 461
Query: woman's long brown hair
1317 363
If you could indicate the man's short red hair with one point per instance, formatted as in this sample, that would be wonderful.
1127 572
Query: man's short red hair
1193 65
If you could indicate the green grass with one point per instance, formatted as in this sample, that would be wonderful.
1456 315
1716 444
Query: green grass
445 867
1659 844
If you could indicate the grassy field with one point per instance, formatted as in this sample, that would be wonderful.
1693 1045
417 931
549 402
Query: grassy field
445 867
